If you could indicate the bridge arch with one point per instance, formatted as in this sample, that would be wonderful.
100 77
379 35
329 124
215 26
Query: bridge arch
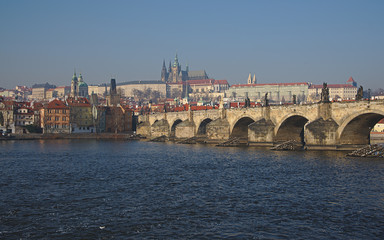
202 129
357 127
291 128
240 128
173 127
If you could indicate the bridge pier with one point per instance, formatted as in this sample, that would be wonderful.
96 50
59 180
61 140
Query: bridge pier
160 128
144 129
261 131
185 129
321 132
218 129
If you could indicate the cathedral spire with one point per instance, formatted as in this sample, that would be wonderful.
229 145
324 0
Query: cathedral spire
164 73
254 80
176 62
250 79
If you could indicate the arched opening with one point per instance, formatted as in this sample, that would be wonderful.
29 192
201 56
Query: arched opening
240 130
173 128
358 130
291 129
202 131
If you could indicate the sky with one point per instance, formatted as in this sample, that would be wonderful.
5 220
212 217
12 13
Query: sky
278 41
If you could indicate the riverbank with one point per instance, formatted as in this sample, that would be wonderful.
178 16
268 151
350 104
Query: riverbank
36 136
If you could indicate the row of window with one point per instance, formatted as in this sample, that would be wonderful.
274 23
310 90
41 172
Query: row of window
57 110
57 118
57 126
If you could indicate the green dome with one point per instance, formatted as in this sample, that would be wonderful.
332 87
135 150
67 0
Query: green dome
83 84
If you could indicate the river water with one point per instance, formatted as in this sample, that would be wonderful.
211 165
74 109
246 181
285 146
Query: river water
89 189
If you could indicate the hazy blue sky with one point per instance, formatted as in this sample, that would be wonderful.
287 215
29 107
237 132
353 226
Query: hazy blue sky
279 41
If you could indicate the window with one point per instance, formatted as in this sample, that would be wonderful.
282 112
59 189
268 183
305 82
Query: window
64 118
57 118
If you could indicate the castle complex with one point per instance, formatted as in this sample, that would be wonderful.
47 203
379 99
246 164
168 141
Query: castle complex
174 74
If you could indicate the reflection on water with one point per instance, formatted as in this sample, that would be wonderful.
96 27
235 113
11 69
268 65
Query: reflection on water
92 189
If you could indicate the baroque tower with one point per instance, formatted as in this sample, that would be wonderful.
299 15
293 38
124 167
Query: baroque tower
74 85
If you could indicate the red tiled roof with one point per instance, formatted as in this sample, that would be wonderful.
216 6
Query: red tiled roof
269 84
333 86
79 102
63 87
56 104
221 82
201 81
351 80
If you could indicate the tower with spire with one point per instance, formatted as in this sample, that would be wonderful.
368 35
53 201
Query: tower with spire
78 87
74 85
164 73
176 71
252 80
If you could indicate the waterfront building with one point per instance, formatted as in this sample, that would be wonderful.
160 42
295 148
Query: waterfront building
55 117
118 119
7 123
337 92
81 120
24 114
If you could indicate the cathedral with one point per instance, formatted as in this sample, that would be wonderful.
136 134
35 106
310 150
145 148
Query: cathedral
174 74
78 87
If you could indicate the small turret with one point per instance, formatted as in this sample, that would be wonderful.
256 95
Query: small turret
254 80
250 79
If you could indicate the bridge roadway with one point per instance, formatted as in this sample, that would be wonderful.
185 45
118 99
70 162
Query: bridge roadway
333 124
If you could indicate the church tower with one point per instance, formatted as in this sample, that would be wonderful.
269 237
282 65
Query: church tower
74 85
175 70
164 74
254 80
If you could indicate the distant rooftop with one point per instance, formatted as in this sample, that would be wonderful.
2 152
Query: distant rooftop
140 82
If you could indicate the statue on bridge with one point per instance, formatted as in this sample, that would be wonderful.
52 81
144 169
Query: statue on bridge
359 94
325 94
294 99
247 102
266 102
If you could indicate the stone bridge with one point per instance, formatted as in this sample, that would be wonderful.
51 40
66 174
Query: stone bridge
320 124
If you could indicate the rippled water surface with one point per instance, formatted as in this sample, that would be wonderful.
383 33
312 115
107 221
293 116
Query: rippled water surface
85 189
